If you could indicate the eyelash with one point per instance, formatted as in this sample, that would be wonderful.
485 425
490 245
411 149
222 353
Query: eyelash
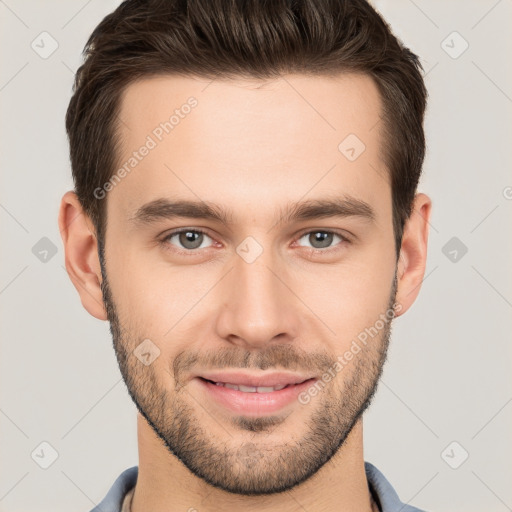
193 252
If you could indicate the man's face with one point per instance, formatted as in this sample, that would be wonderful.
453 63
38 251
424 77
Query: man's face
264 292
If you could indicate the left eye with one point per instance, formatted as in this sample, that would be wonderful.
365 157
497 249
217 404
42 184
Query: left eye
321 239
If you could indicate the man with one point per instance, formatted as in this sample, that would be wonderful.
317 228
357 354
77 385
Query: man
245 216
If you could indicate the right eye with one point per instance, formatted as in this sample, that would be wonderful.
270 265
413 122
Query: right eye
188 239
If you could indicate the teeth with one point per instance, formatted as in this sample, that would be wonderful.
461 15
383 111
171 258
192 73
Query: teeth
265 389
247 389
250 389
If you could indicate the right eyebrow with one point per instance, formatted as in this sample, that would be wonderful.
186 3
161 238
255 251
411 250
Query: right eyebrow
165 209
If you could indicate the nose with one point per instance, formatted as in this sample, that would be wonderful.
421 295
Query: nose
258 305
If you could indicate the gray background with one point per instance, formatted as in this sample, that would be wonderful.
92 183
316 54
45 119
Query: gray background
448 377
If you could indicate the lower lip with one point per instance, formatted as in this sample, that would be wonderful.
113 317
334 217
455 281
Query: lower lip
254 403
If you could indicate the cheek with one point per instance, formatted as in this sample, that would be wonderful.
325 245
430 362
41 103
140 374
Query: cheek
149 293
348 299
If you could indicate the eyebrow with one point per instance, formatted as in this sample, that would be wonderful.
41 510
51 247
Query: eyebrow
165 209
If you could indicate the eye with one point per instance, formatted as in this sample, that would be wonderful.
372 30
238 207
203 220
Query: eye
322 239
188 239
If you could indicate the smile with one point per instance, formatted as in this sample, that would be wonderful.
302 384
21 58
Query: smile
250 389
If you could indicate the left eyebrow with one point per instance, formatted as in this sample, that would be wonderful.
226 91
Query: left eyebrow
345 206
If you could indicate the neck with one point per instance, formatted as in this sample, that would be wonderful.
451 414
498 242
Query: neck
165 484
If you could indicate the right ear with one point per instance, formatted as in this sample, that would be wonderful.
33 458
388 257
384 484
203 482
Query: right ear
81 254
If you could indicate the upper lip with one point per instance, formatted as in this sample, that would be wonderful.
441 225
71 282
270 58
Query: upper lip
256 380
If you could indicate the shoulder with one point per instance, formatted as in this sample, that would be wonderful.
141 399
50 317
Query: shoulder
113 501
384 493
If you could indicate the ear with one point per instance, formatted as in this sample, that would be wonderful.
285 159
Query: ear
413 253
81 254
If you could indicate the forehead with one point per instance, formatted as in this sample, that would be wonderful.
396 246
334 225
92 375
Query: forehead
254 143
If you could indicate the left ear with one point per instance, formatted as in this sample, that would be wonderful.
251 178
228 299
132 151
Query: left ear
413 253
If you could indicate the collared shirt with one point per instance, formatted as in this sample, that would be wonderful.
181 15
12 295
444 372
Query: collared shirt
118 498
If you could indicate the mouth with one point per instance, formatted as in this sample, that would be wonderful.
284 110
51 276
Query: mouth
252 389
252 401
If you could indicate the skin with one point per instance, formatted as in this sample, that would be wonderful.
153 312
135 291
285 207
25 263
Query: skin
251 147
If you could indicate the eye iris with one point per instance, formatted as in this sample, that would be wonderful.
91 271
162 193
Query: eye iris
323 237
192 237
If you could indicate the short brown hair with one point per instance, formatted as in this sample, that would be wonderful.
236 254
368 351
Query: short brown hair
243 39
